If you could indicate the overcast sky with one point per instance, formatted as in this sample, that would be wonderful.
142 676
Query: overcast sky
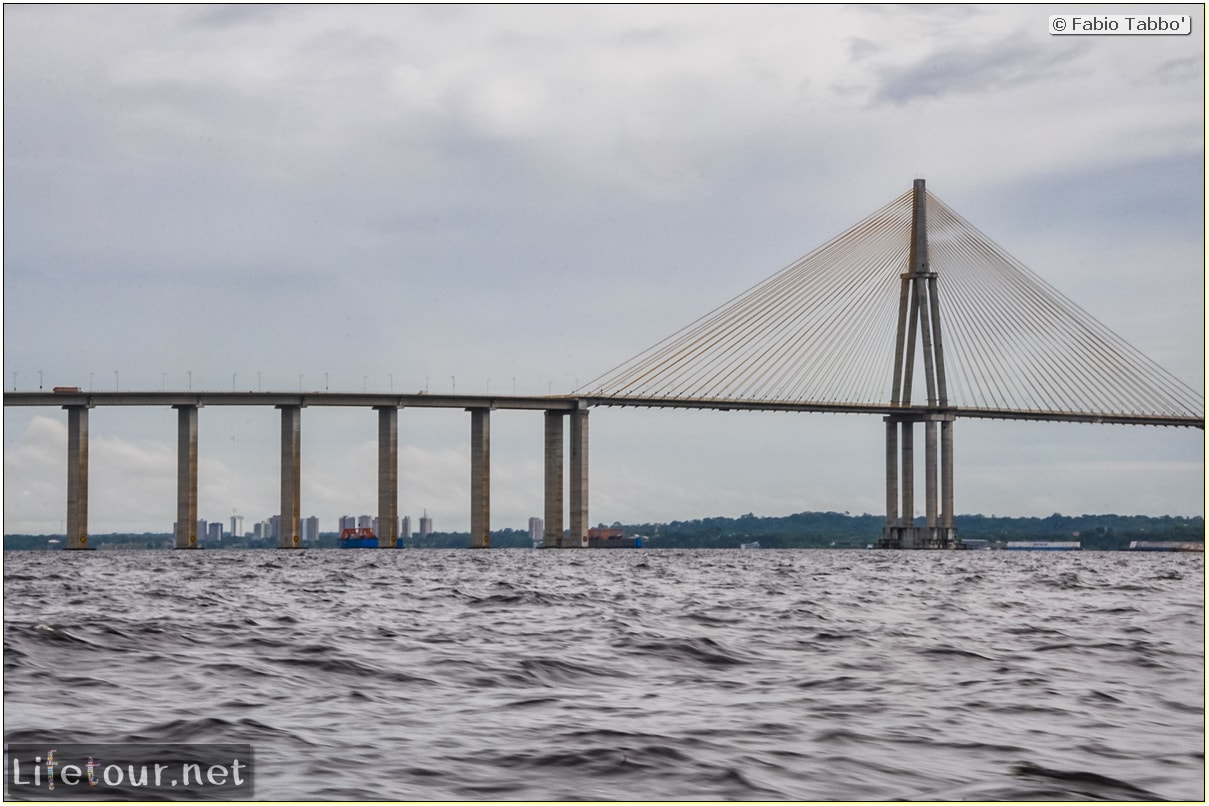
520 198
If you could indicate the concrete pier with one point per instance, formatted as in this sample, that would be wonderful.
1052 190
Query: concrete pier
579 480
186 477
907 443
291 477
900 531
480 478
946 472
930 460
552 537
388 476
891 471
77 477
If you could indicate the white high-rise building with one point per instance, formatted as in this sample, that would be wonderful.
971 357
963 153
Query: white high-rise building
310 531
537 531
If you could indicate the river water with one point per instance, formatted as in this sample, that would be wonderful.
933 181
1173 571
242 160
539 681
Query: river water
628 674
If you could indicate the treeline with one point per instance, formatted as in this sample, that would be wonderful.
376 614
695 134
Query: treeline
802 530
843 530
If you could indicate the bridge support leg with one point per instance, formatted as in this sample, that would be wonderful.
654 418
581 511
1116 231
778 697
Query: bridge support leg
186 477
891 473
907 518
553 529
388 476
900 531
930 472
480 478
579 479
946 476
291 477
77 477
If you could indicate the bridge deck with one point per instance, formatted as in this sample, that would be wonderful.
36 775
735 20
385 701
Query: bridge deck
561 403
909 411
349 399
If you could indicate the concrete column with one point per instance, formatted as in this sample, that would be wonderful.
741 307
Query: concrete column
553 537
480 478
930 470
891 472
77 477
291 477
388 476
908 474
186 477
946 472
579 479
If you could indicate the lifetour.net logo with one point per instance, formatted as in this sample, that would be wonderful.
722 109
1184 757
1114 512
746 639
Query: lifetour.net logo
57 771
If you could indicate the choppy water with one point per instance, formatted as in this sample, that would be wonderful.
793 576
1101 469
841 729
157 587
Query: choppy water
635 674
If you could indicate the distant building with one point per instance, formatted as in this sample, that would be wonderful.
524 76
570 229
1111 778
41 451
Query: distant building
237 526
405 528
215 533
425 524
274 531
365 522
348 522
537 531
201 529
310 531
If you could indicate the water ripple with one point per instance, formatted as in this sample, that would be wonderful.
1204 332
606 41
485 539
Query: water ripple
628 675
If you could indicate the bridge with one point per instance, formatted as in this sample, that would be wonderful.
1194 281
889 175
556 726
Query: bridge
853 327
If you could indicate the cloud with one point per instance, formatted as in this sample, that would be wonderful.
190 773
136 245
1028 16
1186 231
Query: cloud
129 481
35 478
1013 60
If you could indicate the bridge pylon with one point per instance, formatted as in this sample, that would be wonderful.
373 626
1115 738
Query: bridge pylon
919 318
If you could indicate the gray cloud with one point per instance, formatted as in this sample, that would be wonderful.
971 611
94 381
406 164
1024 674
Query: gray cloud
1013 60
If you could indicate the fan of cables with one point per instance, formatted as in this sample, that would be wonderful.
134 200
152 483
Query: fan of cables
823 330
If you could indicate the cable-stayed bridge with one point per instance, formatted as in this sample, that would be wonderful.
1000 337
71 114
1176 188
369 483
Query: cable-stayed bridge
827 333
916 315
911 314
